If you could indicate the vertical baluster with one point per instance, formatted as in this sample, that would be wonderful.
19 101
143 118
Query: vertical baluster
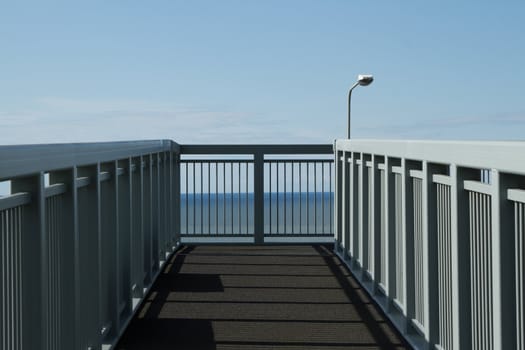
293 197
482 259
9 279
300 200
315 197
307 198
284 189
517 272
322 197
277 196
217 197
247 201
224 196
4 231
239 195
270 192
186 199
331 201
3 284
201 201
209 198
194 198
473 266
231 192
475 273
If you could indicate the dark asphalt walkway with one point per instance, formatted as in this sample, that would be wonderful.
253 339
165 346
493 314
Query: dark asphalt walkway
258 297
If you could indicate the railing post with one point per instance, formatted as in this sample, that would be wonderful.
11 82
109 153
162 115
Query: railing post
258 196
345 201
407 239
109 251
354 210
375 228
338 201
176 197
170 210
70 287
363 222
137 242
156 217
166 191
430 255
390 230
90 236
125 219
459 212
161 207
503 265
34 263
148 219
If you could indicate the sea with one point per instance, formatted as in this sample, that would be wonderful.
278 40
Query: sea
233 214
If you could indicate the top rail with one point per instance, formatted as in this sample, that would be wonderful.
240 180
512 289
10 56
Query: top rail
252 149
16 161
502 155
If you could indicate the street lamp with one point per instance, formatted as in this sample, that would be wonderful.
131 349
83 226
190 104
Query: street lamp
363 80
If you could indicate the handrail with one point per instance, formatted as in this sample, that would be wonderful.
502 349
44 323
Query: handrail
30 159
435 232
88 227
79 254
502 155
252 149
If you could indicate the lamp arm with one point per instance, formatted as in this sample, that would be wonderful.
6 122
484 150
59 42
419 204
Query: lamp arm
349 105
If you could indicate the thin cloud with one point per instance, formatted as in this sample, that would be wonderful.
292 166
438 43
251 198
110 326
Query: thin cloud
489 126
55 119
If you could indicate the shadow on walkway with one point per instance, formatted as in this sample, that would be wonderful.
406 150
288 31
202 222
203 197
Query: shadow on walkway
258 297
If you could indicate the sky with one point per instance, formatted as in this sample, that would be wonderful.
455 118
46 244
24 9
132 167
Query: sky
269 71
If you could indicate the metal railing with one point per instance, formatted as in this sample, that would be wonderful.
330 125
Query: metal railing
79 253
87 228
434 231
256 193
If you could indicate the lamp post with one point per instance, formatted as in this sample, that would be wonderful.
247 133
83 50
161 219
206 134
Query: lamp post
363 80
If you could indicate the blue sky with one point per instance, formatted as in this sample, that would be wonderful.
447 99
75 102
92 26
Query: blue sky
260 71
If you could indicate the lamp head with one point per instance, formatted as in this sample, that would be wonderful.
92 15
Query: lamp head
365 79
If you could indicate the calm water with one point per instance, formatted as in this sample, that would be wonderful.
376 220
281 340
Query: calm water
233 213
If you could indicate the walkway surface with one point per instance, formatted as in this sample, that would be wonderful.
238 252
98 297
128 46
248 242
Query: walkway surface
258 297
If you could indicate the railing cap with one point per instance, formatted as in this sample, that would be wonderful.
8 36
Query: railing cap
258 148
22 160
506 156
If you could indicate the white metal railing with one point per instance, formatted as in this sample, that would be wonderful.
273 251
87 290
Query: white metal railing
79 253
444 223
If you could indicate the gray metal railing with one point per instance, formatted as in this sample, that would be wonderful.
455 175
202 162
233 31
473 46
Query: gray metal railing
256 193
79 254
300 197
434 230
217 197
87 228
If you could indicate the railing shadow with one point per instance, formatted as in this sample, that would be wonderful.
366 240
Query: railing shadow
152 331
361 302
196 311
